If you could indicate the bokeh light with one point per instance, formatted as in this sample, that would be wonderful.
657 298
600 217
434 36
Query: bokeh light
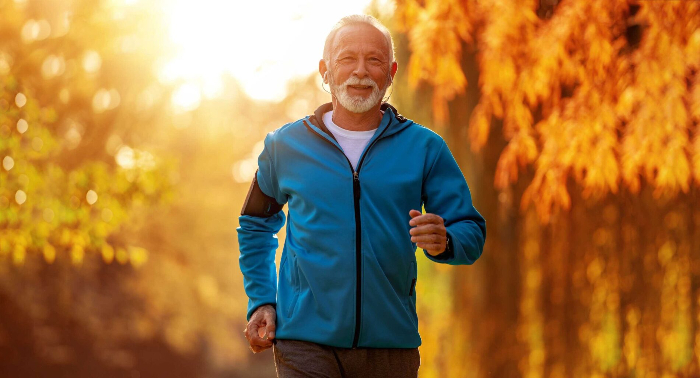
91 197
53 66
5 63
105 99
20 197
130 131
20 100
34 30
73 136
8 163
125 157
22 126
91 61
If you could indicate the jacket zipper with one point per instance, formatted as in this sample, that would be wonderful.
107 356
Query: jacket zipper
358 230
358 254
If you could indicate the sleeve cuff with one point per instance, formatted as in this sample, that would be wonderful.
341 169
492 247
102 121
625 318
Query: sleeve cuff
447 254
254 308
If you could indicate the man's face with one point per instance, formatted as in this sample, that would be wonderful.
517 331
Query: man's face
360 63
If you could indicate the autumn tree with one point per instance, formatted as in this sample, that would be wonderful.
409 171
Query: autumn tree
77 114
118 208
579 121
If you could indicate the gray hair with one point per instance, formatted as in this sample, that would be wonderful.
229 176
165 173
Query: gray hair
354 20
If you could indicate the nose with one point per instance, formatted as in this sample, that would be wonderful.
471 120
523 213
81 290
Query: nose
361 69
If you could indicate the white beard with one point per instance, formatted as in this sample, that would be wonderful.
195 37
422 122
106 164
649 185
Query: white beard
357 104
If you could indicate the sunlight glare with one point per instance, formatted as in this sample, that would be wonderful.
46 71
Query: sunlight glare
186 97
261 44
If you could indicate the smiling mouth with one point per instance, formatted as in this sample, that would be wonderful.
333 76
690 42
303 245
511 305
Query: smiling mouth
360 86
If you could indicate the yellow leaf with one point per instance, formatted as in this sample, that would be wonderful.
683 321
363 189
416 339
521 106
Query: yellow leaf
138 256
77 253
122 256
49 253
107 253
18 254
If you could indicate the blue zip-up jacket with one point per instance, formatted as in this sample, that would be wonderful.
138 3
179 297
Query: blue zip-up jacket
348 267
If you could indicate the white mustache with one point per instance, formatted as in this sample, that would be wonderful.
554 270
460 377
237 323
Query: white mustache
354 80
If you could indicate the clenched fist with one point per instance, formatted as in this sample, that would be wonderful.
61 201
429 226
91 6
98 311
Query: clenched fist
428 232
260 330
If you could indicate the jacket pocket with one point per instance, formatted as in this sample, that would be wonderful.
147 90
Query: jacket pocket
294 275
410 284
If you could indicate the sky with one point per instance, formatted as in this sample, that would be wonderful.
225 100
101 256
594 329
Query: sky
263 44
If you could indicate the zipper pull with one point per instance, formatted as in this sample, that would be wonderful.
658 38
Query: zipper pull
356 184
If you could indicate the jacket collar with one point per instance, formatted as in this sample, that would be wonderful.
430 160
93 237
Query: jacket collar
392 120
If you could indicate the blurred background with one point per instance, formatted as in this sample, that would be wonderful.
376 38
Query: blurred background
130 130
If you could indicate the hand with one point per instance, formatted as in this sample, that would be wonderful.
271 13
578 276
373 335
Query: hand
428 232
260 330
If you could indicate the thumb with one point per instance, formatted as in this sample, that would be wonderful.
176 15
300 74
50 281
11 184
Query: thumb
414 213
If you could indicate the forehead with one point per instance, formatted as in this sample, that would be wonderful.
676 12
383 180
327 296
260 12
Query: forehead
360 38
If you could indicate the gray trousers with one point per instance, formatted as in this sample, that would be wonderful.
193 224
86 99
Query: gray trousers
297 359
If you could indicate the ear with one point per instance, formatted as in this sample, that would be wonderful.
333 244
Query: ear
323 70
394 68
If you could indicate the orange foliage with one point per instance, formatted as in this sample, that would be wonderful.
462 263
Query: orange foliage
610 110
438 29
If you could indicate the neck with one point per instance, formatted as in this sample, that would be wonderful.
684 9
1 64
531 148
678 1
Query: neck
348 120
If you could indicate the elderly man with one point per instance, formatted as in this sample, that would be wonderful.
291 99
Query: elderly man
355 175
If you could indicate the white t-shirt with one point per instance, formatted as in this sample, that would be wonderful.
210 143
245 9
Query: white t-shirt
352 142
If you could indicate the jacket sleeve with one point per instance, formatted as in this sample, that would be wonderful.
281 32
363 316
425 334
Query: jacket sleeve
257 241
446 193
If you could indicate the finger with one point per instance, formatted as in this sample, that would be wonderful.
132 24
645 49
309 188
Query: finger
426 218
431 228
428 239
270 326
251 329
254 334
432 248
414 213
433 252
257 341
262 333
